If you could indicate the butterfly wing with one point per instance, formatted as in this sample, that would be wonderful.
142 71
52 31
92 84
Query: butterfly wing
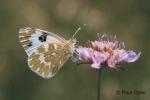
48 59
31 38
46 51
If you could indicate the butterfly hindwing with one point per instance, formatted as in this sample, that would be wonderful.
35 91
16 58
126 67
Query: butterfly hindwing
48 59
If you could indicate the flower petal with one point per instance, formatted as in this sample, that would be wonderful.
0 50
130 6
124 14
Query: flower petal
84 53
112 63
122 55
132 56
97 59
95 66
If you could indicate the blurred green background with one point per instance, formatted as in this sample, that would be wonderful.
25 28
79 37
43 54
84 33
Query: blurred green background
128 19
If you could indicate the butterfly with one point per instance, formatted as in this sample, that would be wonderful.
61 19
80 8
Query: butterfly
47 52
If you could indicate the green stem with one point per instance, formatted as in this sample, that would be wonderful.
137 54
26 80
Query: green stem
99 83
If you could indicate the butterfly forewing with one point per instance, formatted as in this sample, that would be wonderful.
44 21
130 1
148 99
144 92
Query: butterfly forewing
31 38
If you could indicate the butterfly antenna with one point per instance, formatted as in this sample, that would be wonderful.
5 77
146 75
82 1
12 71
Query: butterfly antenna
77 31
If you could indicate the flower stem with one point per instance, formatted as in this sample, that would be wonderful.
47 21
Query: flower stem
99 83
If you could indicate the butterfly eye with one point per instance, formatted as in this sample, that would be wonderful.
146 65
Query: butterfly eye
43 37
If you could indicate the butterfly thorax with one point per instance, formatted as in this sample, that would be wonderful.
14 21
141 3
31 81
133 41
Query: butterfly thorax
71 45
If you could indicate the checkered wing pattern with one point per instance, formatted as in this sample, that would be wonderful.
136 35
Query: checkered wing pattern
46 51
48 59
31 38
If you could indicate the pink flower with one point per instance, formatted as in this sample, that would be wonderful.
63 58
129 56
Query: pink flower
106 51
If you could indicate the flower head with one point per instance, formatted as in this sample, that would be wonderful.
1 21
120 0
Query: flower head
106 51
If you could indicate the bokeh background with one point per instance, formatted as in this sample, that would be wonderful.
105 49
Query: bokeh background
128 19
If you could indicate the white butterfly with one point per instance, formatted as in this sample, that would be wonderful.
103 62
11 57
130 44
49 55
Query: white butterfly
47 52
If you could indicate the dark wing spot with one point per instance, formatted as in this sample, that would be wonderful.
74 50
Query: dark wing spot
30 44
43 37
